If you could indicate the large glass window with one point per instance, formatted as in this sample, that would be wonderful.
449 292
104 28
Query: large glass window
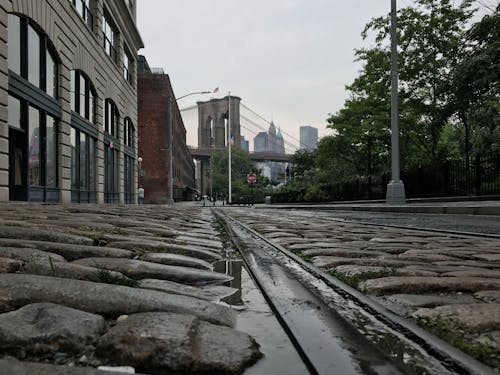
111 194
128 133
51 151
83 95
34 165
109 33
111 118
30 55
128 176
127 66
83 9
33 71
83 167
33 57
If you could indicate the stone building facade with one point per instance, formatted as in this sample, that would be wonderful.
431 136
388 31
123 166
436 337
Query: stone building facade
68 100
154 95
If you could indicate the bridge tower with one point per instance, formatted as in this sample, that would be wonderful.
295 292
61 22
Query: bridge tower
212 132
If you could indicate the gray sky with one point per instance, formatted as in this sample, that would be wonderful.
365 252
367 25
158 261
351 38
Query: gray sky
289 60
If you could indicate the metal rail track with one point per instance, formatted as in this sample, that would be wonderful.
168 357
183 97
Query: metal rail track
335 328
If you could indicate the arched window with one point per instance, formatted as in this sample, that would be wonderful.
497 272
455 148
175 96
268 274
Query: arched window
34 112
111 118
83 95
31 55
128 133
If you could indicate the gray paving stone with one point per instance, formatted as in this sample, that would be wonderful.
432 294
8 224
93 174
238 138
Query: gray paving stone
346 253
475 273
208 292
28 255
43 235
177 343
420 285
431 300
489 295
17 290
68 271
139 269
14 367
478 317
176 260
157 246
48 328
68 251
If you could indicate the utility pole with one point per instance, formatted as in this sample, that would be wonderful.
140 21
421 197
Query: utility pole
395 188
229 145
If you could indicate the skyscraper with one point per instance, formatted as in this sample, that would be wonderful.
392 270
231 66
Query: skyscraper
308 138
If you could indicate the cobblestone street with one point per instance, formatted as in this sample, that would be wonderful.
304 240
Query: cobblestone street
448 284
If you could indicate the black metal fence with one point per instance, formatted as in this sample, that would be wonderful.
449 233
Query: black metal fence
479 176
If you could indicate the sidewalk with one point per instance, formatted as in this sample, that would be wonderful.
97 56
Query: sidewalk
491 208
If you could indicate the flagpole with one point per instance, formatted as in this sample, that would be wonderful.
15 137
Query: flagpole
229 144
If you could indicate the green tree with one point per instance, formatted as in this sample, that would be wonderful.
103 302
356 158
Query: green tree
241 165
476 86
429 36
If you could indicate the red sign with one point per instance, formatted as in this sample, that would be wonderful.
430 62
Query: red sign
251 178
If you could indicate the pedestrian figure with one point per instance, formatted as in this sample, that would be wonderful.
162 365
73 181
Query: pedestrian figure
140 194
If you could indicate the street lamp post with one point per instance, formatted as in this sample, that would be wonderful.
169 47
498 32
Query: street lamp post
171 100
395 188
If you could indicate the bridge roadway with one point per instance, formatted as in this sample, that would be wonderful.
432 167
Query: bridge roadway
204 153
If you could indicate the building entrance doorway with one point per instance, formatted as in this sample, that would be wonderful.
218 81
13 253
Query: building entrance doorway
18 176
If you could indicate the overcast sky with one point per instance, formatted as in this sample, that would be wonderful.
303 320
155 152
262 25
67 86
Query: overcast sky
289 60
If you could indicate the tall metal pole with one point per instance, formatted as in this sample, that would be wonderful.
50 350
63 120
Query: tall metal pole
395 188
229 145
170 199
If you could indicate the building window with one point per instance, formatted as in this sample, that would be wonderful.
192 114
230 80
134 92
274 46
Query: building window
33 113
128 176
83 9
83 167
109 33
82 95
111 118
111 192
128 133
127 66
31 56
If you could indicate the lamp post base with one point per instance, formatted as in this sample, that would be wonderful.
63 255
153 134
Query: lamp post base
170 201
395 193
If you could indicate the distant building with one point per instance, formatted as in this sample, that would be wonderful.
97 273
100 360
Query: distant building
154 91
245 145
260 142
308 138
271 141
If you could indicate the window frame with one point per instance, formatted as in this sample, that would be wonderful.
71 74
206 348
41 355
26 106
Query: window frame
112 113
109 25
89 100
86 14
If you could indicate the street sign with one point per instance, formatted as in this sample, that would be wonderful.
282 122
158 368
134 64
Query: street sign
251 178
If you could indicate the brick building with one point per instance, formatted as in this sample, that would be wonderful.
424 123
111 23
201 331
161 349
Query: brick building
154 93
68 94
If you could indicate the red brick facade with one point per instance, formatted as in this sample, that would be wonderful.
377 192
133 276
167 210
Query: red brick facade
154 91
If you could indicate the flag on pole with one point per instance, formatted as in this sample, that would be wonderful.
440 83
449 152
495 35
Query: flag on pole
231 140
216 90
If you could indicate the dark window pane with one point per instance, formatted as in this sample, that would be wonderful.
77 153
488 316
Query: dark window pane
92 164
14 46
91 106
82 96
74 160
34 147
51 145
14 111
73 91
33 57
83 161
51 75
